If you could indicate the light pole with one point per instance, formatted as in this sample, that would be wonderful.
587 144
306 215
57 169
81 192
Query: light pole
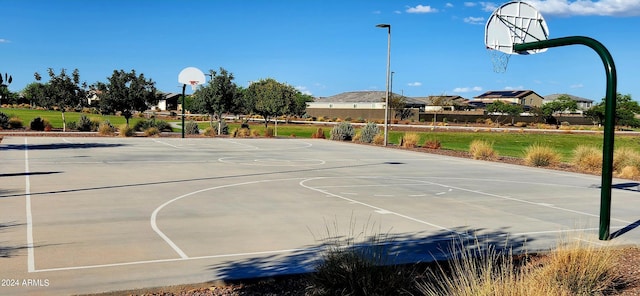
386 104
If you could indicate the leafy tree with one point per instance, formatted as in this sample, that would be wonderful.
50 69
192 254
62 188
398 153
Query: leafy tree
5 93
398 104
35 92
500 108
127 92
62 91
218 96
299 104
626 109
269 98
557 106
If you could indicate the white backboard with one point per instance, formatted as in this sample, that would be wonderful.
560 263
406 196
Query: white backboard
191 76
515 23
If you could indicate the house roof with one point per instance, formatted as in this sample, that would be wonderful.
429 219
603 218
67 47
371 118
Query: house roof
446 100
554 97
355 97
504 94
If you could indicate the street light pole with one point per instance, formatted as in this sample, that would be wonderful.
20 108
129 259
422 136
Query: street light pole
386 105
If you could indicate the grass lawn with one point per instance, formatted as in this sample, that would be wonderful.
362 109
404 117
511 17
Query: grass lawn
506 144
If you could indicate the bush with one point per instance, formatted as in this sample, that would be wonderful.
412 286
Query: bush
37 124
255 133
319 134
223 127
84 124
481 149
587 158
541 156
161 125
4 121
126 131
410 140
152 131
368 132
432 143
378 139
106 129
625 157
343 131
191 128
15 123
267 132
360 264
72 125
210 132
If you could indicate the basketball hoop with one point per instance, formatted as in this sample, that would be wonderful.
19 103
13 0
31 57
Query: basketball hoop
499 59
513 23
194 84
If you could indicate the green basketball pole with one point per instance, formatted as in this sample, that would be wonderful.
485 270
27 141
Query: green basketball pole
609 121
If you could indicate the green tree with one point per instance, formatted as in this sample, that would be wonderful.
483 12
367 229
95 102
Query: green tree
34 92
626 110
62 91
218 96
499 108
127 92
299 104
561 104
5 93
269 98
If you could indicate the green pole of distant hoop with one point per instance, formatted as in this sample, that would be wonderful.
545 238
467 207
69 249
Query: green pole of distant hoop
609 115
183 88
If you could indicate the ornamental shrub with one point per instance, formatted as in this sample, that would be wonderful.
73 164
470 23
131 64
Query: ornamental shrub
4 121
368 132
191 128
37 124
84 124
344 131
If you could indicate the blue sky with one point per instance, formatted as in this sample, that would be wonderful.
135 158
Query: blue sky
322 48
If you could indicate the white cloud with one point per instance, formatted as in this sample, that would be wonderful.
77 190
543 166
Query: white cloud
2 40
303 90
417 83
587 7
397 12
470 4
488 6
466 89
421 9
377 12
578 85
448 5
519 87
474 20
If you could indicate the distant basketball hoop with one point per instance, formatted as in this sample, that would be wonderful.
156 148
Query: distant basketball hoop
513 23
191 76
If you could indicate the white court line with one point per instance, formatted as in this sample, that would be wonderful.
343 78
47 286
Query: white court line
165 143
377 209
31 261
154 215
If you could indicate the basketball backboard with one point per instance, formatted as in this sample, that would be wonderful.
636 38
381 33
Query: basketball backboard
515 23
191 76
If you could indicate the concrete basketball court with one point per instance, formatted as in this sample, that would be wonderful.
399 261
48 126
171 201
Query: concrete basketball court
87 215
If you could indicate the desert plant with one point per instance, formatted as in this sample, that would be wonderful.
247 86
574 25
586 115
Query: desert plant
144 124
224 128
15 123
540 156
378 139
210 132
37 124
587 158
359 263
368 132
343 131
267 132
191 128
625 156
4 121
83 124
319 134
106 129
481 149
152 131
410 140
432 143
126 131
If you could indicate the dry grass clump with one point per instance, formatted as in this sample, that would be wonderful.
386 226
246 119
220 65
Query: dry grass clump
106 129
587 158
575 268
268 132
210 132
410 140
624 157
126 131
241 133
432 143
481 149
319 134
152 131
255 133
378 139
541 156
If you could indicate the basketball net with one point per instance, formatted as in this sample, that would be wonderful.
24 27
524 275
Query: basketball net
499 59
194 85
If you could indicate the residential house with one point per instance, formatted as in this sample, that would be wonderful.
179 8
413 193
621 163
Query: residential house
526 98
583 104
